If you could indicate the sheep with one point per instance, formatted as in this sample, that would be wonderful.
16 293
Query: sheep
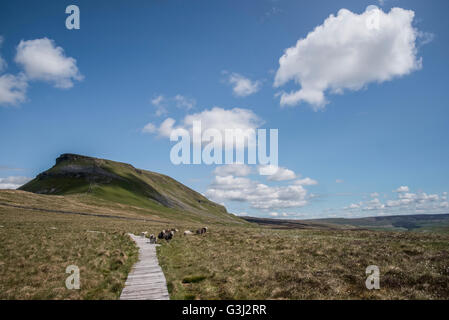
201 231
169 235
188 232
152 239
161 234
166 234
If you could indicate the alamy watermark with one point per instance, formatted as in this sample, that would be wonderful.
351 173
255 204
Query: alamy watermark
73 281
373 280
73 20
215 146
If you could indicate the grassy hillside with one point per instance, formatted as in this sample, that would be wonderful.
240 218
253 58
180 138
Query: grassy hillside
110 181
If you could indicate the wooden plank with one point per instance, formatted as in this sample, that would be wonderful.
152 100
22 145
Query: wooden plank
146 281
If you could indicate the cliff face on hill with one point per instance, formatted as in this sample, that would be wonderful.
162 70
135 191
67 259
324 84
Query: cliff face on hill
120 182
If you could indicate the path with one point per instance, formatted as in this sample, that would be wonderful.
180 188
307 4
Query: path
146 280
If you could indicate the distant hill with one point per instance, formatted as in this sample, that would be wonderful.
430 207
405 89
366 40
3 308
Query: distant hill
418 222
297 224
421 222
122 183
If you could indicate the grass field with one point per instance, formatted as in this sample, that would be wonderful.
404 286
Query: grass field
240 261
306 264
37 246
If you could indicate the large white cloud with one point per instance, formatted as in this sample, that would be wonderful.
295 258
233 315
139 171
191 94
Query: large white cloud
43 60
347 52
258 195
215 118
13 182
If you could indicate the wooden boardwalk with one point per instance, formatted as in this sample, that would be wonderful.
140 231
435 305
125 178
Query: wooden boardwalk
146 280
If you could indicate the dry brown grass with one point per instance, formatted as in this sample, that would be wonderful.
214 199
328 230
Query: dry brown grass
226 263
303 264
36 247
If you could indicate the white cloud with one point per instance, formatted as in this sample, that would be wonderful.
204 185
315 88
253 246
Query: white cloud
339 181
306 182
373 204
353 206
258 195
12 89
425 38
275 173
43 60
402 189
222 119
405 202
239 170
13 182
215 118
166 127
184 102
277 214
347 52
162 103
374 195
150 128
158 102
243 86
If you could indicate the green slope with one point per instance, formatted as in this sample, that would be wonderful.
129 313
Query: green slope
122 183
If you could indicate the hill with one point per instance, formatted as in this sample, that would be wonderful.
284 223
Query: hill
118 182
417 222
297 224
420 222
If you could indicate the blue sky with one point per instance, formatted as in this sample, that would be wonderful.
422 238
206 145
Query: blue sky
358 146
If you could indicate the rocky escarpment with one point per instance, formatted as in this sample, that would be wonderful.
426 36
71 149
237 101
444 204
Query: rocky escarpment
72 171
120 182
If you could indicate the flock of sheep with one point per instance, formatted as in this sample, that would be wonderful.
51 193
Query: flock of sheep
170 233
